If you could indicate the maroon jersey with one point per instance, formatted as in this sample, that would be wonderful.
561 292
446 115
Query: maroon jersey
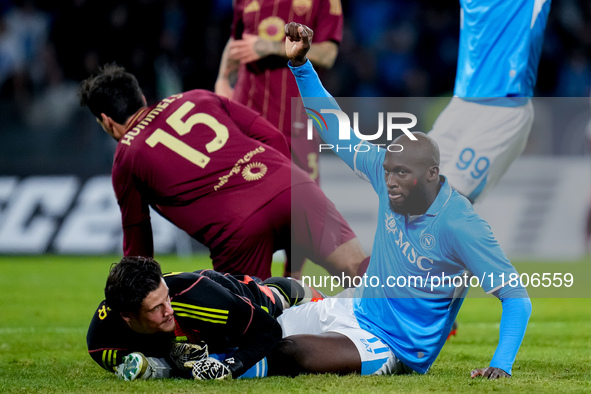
267 85
203 162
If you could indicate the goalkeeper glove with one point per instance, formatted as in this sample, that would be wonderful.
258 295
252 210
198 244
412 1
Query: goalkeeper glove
209 368
138 366
183 353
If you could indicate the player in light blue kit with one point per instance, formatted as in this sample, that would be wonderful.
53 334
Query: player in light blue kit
486 125
428 242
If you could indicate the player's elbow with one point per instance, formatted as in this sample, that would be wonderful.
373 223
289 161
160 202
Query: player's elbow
327 62
324 54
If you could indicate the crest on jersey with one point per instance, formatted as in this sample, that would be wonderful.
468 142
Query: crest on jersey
427 241
272 28
301 7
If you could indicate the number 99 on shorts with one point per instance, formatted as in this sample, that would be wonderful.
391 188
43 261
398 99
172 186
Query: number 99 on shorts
468 161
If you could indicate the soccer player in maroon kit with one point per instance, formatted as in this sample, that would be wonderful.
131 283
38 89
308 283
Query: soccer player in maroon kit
218 171
256 53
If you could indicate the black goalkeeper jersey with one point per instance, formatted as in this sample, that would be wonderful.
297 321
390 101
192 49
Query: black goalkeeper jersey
227 312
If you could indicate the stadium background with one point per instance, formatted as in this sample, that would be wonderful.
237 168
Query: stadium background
55 193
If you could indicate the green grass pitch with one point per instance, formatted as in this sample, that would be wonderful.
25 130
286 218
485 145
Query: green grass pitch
46 303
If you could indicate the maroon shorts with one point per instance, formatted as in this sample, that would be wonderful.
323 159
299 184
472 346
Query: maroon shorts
303 221
304 154
317 228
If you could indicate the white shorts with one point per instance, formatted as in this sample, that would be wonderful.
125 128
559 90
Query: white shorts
479 142
335 314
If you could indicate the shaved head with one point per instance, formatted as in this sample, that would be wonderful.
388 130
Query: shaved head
412 174
424 151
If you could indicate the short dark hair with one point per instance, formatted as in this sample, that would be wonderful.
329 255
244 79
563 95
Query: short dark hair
130 281
112 91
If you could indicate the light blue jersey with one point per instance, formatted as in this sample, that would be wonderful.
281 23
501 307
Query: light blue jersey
415 286
449 241
500 47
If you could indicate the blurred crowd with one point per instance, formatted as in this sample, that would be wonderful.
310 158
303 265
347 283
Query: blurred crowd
389 48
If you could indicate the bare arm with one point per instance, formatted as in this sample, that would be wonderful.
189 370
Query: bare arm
252 48
227 74
323 54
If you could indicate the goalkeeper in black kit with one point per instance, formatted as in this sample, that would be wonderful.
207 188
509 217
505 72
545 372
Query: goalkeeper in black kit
201 325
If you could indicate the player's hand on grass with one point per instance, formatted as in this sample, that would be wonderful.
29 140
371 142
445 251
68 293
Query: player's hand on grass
489 372
209 368
182 353
298 39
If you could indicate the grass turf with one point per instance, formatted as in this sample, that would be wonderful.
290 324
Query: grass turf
46 303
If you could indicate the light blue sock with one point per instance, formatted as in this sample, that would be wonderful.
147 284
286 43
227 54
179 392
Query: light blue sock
259 370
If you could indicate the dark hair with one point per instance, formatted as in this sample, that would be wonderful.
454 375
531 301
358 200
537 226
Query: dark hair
113 91
130 281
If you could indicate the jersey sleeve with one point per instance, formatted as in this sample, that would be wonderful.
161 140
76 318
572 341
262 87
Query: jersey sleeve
135 214
255 126
225 320
361 156
516 313
319 102
104 343
474 244
237 22
483 256
328 22
109 340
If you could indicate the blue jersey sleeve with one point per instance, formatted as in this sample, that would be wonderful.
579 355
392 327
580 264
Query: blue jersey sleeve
474 244
516 313
316 98
361 156
477 248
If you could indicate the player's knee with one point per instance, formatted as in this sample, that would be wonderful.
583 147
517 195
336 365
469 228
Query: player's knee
286 358
289 289
288 348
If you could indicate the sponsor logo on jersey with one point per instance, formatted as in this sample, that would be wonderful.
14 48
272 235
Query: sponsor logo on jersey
367 345
405 247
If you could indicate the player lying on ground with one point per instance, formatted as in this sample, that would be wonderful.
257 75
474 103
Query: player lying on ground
426 230
152 324
218 171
